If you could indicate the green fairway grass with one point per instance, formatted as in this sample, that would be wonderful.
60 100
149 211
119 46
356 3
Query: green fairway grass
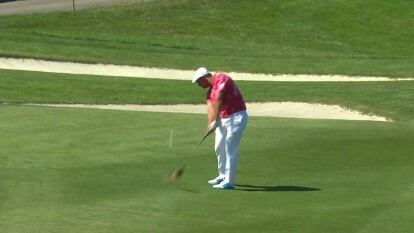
372 37
82 170
390 99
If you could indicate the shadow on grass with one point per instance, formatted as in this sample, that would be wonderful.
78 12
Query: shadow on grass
255 188
188 190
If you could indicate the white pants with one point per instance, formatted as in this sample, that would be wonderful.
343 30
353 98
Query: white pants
227 142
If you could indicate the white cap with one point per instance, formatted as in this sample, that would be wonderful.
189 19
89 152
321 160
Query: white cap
200 72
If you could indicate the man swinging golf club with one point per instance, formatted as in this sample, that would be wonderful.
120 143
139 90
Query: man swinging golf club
226 113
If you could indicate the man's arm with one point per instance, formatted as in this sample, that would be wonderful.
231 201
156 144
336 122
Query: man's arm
213 110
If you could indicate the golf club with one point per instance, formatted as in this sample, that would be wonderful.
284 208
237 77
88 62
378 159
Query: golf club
205 136
173 177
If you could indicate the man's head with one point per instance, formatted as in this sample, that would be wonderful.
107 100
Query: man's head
202 77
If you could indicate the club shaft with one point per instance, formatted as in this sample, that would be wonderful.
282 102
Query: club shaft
205 136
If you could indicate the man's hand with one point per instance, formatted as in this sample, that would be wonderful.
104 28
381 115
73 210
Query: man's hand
213 111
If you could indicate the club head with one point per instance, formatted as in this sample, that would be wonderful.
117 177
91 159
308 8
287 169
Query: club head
178 173
174 175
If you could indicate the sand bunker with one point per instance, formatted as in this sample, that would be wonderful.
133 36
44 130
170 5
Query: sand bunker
271 109
274 109
158 73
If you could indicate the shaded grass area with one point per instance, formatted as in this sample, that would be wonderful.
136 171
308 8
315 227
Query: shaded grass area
391 99
274 36
81 170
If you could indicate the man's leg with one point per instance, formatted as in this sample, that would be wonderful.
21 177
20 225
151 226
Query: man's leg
220 149
234 132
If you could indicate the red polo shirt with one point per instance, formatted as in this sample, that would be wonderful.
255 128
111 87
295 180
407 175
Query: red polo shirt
232 99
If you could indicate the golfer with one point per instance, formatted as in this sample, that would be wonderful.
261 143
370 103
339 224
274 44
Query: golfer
226 113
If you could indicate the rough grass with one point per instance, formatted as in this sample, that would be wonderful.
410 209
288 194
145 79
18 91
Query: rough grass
274 36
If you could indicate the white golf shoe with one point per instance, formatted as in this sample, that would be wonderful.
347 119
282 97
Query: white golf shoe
216 180
223 185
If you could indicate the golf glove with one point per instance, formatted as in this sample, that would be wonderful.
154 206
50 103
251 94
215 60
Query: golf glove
214 124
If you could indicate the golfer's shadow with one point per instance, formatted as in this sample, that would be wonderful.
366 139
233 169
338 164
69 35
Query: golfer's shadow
255 188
